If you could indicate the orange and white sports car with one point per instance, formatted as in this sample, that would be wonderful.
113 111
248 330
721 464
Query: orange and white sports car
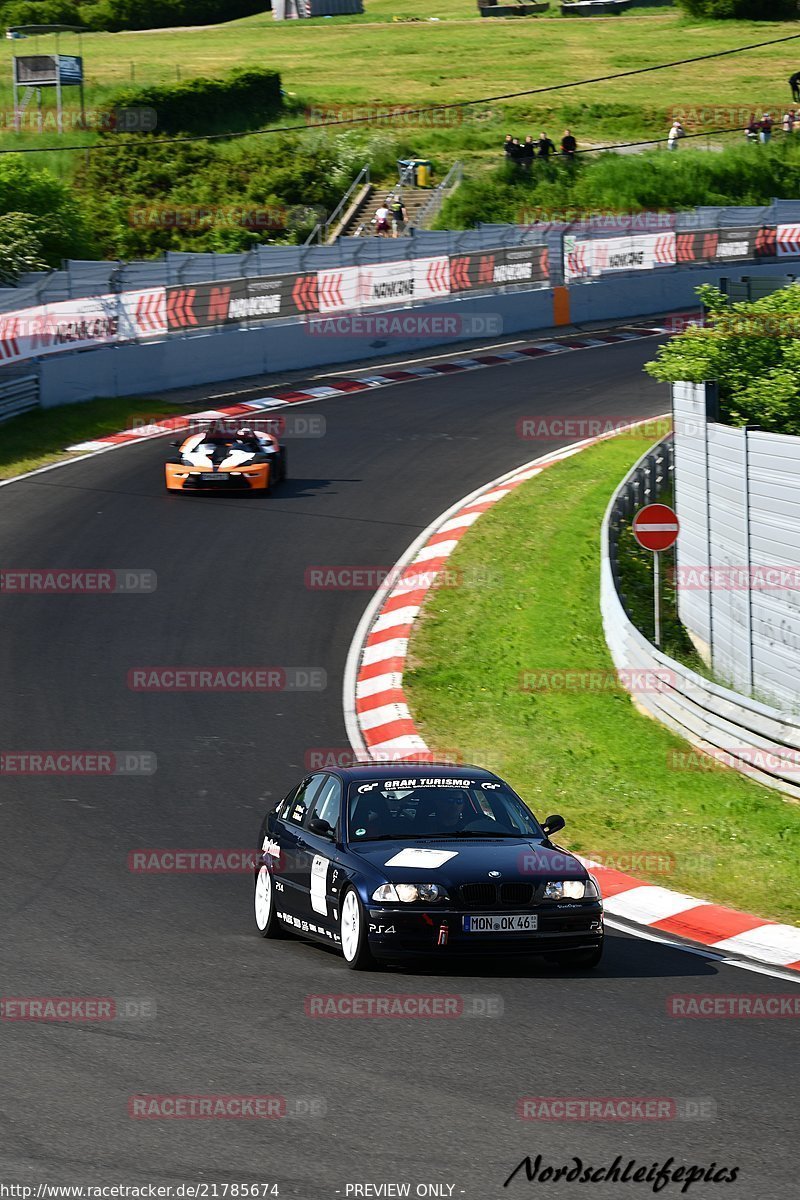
218 461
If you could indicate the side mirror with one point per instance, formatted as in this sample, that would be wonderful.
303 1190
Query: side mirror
318 826
553 824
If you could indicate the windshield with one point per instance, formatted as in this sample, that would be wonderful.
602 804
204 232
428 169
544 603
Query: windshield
436 808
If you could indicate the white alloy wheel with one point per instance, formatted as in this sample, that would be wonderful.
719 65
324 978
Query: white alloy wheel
350 926
263 898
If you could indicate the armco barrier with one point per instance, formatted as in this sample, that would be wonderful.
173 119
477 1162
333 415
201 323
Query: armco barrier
754 738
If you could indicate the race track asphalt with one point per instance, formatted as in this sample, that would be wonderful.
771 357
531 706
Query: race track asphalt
406 1101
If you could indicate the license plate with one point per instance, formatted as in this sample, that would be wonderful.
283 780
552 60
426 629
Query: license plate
210 478
501 923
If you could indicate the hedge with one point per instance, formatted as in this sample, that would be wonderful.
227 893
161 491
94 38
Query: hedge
243 100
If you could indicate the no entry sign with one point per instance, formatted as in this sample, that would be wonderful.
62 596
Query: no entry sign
656 527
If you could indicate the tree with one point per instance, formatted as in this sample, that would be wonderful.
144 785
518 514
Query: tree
751 349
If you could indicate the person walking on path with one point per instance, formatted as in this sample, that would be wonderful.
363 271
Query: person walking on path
794 84
381 220
676 132
399 216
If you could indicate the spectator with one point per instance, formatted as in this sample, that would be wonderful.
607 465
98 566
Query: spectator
568 145
794 84
516 151
765 128
675 134
545 146
527 152
399 216
507 145
787 121
751 129
381 220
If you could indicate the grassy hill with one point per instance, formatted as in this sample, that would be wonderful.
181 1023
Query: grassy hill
377 60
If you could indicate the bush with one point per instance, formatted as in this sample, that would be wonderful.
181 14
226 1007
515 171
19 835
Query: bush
287 178
115 15
740 174
742 10
60 221
245 99
20 247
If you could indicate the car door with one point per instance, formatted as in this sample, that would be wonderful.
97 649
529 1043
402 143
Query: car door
295 862
323 872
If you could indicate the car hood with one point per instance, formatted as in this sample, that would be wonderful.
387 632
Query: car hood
468 860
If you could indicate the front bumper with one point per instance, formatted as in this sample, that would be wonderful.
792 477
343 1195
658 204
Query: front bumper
190 479
397 931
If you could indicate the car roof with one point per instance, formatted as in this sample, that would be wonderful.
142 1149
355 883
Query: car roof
410 768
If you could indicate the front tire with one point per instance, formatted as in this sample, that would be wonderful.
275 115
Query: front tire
353 932
267 922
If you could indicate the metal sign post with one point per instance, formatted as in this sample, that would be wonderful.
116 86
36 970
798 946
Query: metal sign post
656 528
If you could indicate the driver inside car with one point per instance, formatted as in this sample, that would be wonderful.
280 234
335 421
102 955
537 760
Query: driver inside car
441 812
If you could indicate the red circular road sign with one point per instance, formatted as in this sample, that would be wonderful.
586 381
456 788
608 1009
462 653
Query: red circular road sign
656 527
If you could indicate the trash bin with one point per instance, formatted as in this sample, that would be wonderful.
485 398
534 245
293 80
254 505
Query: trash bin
406 169
424 171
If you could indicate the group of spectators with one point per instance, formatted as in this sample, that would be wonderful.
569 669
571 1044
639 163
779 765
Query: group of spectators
523 153
757 129
761 130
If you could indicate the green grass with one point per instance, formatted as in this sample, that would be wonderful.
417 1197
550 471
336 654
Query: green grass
38 438
410 62
586 753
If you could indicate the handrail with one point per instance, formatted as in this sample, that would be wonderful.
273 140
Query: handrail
431 207
361 178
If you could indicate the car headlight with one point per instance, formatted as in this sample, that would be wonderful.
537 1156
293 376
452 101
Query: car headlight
571 889
409 893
